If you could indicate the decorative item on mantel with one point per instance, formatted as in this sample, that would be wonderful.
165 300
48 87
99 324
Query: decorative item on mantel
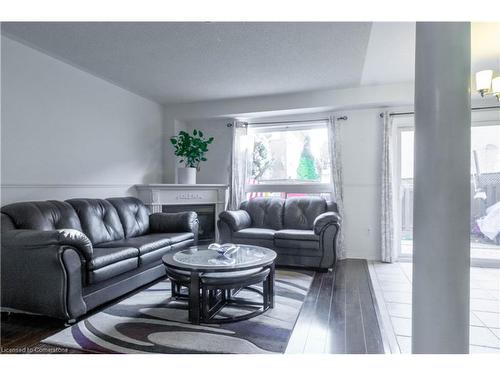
191 149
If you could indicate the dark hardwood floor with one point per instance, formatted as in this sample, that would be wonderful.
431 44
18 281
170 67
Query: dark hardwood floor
338 316
21 334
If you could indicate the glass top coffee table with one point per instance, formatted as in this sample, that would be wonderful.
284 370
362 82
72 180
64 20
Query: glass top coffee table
214 276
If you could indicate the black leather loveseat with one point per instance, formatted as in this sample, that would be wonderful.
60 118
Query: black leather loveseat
302 230
62 259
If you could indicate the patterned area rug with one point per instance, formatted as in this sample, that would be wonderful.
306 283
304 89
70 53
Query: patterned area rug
151 322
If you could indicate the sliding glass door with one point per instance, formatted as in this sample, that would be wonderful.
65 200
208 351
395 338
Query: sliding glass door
405 189
485 192
485 189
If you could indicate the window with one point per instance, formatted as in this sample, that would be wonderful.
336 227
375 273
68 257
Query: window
288 159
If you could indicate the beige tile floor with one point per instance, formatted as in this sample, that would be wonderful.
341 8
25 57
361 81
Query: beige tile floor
477 250
392 284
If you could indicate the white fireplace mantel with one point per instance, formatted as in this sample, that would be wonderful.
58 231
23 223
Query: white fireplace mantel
157 195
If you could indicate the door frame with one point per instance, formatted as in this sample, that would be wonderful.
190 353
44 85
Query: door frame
406 123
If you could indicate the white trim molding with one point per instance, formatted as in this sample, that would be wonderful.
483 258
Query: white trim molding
22 192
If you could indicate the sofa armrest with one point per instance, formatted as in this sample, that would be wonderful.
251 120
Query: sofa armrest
324 220
24 239
237 220
173 222
42 272
225 232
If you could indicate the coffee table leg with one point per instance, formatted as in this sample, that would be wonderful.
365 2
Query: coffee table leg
271 286
194 298
205 304
265 294
173 286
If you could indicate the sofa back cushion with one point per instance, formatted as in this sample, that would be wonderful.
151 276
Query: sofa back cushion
133 214
99 219
265 212
332 206
46 215
300 212
6 223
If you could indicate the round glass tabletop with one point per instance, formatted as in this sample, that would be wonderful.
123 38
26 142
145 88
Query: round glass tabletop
201 258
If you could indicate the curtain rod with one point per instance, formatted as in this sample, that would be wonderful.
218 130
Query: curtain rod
412 113
289 122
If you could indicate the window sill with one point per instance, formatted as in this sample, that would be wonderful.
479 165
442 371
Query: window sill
290 188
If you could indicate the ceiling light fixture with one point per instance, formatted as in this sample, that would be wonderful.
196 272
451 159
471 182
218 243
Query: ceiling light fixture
487 85
495 87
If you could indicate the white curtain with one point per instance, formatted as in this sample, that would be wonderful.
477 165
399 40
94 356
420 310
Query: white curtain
336 177
238 165
388 211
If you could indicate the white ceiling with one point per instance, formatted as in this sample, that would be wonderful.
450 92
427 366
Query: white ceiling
186 62
485 46
179 62
390 56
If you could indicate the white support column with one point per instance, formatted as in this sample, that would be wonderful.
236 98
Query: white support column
441 256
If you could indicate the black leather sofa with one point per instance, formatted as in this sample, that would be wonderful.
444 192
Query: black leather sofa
302 230
62 259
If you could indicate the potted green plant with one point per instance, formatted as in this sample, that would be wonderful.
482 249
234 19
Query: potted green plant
191 149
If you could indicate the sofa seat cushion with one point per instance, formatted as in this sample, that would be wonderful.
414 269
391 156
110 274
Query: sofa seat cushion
262 242
255 233
296 234
151 242
156 255
297 239
179 237
296 244
108 262
104 256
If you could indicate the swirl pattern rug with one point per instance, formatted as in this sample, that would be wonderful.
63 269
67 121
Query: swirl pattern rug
151 322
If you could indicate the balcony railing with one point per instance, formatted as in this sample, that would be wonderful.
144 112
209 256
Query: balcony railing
485 192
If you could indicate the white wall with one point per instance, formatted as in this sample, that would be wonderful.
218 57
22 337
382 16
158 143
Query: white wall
217 168
66 133
361 143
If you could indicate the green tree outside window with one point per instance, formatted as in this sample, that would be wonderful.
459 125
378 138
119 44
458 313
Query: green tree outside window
307 164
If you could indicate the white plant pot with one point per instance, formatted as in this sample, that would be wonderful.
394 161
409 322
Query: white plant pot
186 176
